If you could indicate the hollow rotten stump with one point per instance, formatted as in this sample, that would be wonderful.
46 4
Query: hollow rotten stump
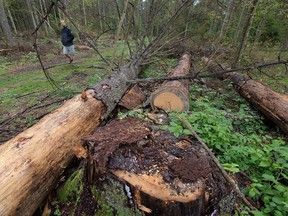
163 175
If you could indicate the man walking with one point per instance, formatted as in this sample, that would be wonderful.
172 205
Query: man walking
67 38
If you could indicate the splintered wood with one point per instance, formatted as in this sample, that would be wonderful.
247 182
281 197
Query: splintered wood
168 175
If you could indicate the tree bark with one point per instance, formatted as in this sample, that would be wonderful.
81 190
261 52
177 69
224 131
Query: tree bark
173 95
270 103
132 98
5 25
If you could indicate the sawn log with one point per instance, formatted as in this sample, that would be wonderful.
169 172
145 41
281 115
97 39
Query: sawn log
173 95
270 103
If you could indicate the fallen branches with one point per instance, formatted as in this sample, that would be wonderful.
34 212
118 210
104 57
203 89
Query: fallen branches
215 160
219 73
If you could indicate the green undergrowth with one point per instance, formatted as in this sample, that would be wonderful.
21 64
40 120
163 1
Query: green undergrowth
242 142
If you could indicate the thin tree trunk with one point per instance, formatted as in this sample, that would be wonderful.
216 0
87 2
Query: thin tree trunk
84 13
242 16
5 25
227 19
43 12
245 34
99 11
12 22
31 13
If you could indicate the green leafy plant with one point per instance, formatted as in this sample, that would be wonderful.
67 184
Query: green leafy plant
242 143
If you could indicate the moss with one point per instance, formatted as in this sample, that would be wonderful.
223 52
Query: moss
112 200
72 189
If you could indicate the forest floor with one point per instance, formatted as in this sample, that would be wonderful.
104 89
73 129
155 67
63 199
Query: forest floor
26 95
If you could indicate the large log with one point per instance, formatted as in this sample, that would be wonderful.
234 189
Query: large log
270 103
165 175
32 162
173 95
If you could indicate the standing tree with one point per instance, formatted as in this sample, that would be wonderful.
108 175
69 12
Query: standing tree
245 33
5 25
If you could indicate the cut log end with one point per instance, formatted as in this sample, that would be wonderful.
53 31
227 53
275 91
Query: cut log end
170 100
155 186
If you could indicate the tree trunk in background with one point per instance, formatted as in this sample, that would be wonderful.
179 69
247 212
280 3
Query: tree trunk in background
5 25
31 13
238 29
245 33
84 13
100 17
227 19
42 13
12 22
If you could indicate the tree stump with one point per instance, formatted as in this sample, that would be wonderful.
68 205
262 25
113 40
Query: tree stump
164 175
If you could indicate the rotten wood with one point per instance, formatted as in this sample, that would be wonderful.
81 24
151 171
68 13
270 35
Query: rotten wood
173 95
132 98
166 175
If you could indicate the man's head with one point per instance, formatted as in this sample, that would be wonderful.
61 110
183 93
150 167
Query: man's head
63 24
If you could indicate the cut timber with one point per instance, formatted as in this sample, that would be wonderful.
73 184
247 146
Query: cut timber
132 98
32 162
173 95
165 175
270 103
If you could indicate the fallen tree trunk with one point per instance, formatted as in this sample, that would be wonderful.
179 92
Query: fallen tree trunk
31 163
270 103
164 175
173 95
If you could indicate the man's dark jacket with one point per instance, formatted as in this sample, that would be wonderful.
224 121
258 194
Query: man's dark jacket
67 36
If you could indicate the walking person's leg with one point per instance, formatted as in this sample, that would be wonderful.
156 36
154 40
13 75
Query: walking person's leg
69 52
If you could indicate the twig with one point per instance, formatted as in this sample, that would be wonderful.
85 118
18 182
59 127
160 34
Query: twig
205 75
215 160
48 104
11 117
